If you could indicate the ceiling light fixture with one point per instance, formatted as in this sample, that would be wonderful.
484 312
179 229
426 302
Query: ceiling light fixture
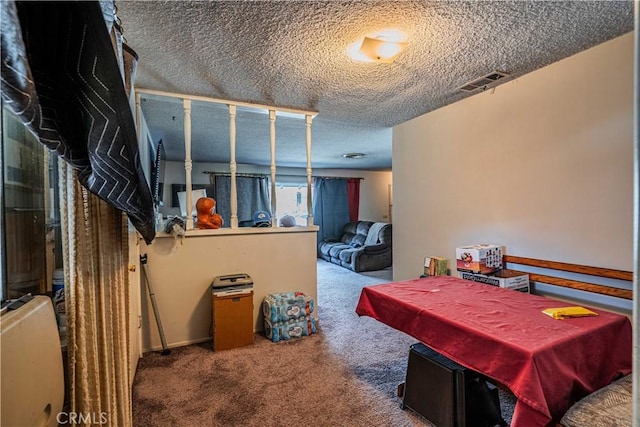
384 47
380 50
353 155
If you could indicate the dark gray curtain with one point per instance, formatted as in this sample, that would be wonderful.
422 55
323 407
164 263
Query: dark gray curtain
60 75
330 206
253 196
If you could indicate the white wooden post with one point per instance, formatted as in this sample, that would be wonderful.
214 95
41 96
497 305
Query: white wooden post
272 139
308 119
187 160
233 166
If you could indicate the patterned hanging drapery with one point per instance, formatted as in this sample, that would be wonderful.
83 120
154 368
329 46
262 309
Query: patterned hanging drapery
61 77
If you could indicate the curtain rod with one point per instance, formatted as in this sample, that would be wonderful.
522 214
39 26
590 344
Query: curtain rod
257 175
336 177
247 175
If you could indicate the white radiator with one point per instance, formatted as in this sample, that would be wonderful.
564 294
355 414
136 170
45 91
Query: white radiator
31 362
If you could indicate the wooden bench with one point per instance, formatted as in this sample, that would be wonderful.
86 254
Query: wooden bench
576 268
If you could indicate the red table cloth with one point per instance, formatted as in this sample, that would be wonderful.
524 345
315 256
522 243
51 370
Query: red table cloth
547 364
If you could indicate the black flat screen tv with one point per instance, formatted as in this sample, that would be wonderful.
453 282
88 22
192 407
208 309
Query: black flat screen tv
157 174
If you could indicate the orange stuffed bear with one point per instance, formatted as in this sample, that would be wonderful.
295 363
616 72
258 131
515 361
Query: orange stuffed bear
206 217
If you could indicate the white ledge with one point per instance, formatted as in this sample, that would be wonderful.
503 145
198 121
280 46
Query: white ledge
225 231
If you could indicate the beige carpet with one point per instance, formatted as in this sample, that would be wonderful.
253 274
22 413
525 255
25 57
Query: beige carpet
346 375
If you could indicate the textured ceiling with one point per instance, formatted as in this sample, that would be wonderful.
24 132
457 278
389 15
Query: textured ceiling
293 54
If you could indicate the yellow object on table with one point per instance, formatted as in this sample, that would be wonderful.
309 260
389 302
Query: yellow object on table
567 312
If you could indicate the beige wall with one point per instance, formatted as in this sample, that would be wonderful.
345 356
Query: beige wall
181 274
542 164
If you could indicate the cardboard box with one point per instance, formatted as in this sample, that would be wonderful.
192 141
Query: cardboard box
436 266
507 279
481 258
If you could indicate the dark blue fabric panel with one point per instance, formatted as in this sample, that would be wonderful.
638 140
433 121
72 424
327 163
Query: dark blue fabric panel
330 206
252 196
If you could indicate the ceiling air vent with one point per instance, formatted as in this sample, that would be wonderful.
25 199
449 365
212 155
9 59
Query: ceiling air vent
484 81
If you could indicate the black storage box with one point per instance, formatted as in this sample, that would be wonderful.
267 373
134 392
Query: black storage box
448 394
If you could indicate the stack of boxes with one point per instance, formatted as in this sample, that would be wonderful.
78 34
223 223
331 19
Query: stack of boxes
483 263
232 311
288 315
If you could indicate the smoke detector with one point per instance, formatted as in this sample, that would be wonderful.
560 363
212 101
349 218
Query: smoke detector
483 82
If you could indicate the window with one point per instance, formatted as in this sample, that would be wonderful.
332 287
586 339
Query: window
30 219
292 200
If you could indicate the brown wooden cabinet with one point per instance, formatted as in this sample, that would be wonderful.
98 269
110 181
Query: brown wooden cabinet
232 320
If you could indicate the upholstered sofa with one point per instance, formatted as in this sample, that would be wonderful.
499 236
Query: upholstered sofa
363 246
610 406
